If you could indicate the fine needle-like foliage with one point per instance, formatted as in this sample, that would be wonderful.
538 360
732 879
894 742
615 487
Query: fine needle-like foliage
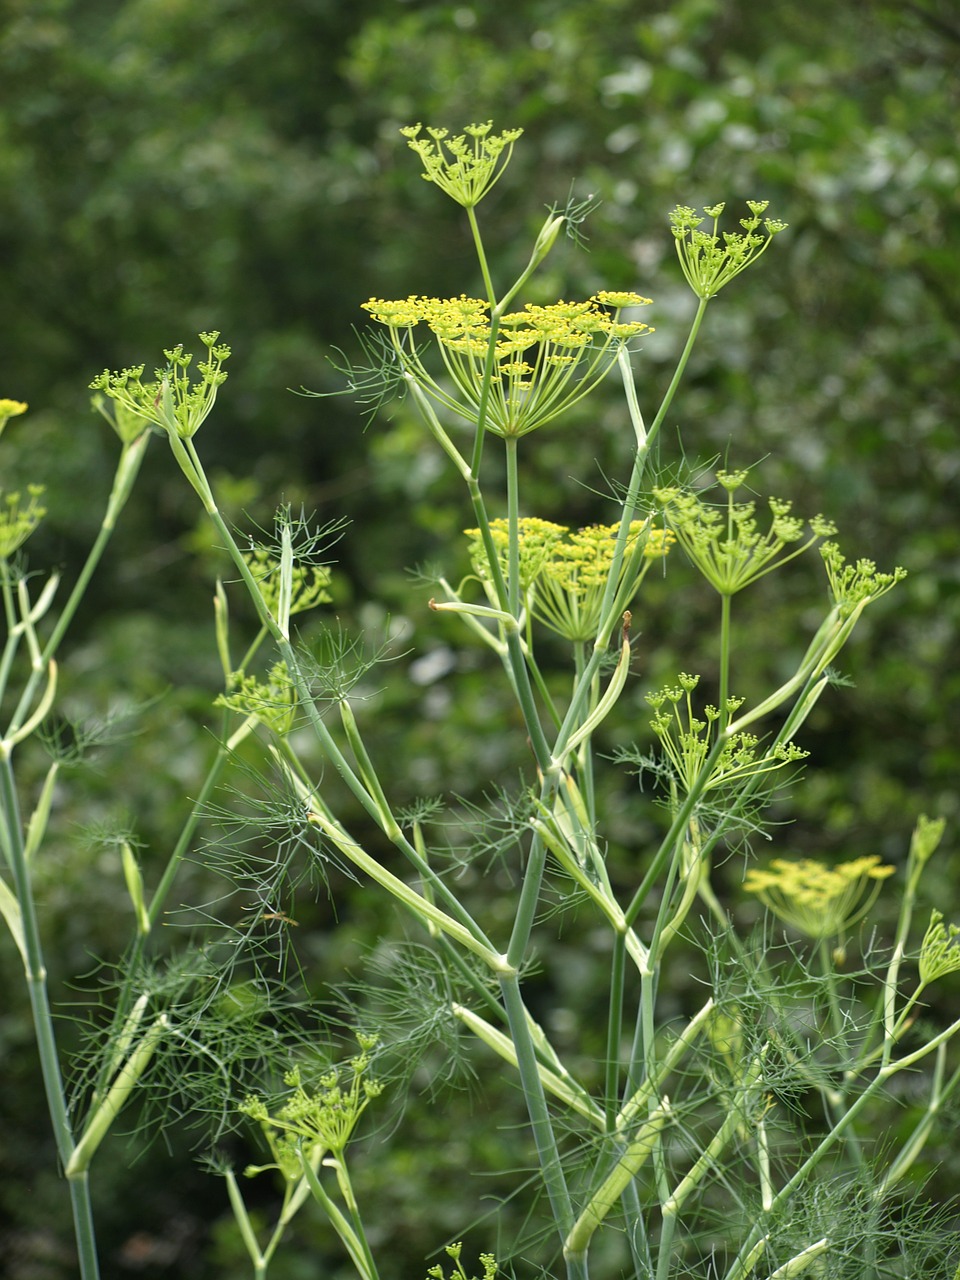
736 1127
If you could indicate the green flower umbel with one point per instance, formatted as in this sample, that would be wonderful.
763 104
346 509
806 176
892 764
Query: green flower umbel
19 517
465 170
710 262
170 401
725 541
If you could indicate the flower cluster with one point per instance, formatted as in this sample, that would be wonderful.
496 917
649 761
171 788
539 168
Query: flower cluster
487 1261
272 702
19 518
542 360
309 583
708 262
856 584
940 950
10 409
170 402
819 901
325 1118
687 739
564 572
464 170
725 542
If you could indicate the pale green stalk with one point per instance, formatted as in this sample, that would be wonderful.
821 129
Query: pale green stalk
563 1086
481 255
670 1210
192 466
27 932
36 978
354 1241
126 473
629 1163
107 1110
294 1194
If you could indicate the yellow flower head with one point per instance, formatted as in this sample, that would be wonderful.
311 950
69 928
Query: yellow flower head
820 901
544 358
10 409
563 572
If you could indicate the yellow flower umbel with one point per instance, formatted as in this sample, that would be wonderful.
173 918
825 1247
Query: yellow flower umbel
10 409
570 589
545 358
563 572
819 901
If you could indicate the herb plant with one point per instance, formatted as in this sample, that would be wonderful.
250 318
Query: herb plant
733 1135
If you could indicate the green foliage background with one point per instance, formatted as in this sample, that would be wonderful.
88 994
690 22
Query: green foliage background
167 167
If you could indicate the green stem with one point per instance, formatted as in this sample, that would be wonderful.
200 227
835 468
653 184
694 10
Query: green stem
481 256
609 617
611 1091
36 976
724 660
513 528
535 1098
191 465
802 1174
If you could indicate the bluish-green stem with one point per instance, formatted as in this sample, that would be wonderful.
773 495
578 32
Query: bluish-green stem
724 659
649 984
636 1231
513 527
543 1135
533 1089
611 1085
834 1103
36 976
